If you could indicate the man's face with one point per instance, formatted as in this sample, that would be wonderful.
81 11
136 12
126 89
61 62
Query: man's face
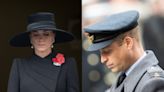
116 57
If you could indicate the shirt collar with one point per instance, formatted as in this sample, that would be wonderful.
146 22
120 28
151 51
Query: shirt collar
135 64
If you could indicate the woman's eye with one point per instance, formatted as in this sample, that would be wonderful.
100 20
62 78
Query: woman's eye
46 34
35 35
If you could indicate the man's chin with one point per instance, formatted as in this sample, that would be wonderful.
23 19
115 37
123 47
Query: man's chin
115 70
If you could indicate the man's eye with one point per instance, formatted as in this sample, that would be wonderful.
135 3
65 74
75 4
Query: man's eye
107 51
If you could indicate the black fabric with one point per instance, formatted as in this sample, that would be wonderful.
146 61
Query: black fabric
122 90
121 79
41 16
100 37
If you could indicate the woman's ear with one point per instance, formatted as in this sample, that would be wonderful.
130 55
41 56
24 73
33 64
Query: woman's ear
54 36
30 38
53 41
128 41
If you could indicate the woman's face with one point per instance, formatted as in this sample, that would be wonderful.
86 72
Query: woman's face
42 40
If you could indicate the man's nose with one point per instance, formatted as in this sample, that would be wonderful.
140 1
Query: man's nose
103 59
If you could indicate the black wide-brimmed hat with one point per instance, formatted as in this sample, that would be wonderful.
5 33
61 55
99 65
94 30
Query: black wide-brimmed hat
40 21
103 32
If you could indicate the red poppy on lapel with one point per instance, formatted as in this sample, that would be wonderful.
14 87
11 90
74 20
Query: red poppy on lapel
58 60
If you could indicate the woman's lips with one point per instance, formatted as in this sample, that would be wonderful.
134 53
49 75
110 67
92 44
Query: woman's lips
41 44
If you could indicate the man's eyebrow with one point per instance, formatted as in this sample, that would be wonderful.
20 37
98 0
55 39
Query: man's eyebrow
106 49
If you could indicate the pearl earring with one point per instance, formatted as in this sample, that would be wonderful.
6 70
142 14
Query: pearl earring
32 47
52 46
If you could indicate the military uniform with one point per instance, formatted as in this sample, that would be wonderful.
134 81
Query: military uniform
146 76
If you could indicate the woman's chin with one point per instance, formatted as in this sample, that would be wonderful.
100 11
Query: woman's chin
42 49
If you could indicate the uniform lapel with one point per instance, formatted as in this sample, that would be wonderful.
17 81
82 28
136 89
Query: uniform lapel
134 77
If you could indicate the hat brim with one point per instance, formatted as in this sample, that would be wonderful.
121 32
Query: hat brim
23 39
98 46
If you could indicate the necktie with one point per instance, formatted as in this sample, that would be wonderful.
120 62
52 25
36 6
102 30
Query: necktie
121 79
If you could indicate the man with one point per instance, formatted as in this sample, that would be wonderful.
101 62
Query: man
118 39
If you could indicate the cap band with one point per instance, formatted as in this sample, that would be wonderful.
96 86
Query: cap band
43 24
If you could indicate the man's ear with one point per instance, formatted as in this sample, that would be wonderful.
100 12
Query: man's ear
128 42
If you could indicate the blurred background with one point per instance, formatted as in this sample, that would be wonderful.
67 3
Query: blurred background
13 20
96 77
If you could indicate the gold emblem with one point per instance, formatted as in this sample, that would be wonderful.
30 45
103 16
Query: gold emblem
90 39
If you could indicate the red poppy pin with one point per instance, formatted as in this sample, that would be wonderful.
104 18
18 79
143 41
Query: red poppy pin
58 60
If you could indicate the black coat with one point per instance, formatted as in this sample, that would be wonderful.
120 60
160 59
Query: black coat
38 74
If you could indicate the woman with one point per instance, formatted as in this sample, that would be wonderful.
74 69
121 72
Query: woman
46 70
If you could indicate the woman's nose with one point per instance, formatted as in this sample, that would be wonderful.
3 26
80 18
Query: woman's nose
41 37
